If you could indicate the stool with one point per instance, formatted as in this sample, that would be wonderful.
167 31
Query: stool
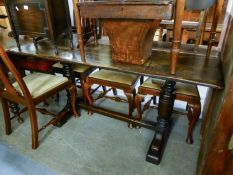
184 92
115 80
80 72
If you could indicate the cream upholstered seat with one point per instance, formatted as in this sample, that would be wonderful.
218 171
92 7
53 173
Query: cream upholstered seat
40 83
114 77
115 80
184 92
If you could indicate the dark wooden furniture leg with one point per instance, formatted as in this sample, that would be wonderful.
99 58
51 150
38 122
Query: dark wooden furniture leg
130 98
194 110
35 42
68 72
166 103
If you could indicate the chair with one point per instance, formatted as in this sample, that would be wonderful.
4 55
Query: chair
192 27
184 92
30 91
197 5
80 71
115 80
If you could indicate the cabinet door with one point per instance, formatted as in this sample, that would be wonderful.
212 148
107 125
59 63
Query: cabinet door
28 17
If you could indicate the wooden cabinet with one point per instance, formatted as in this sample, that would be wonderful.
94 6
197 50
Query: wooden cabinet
40 19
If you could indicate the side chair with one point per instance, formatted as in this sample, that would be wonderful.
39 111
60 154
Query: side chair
30 91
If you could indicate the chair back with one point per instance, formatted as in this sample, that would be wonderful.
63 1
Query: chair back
6 66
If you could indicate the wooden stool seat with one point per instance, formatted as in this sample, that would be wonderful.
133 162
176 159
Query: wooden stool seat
115 80
184 92
80 68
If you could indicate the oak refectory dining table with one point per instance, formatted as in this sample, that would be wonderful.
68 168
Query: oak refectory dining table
191 68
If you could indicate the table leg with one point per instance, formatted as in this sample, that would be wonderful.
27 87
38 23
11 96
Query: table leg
165 108
68 72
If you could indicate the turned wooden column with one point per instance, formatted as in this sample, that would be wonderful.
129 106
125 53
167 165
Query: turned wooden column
179 10
165 108
68 72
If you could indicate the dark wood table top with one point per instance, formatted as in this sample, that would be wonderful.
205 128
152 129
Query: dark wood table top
191 68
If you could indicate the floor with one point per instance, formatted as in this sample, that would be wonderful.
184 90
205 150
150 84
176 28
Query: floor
95 145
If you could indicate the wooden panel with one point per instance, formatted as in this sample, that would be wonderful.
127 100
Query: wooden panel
29 18
57 12
148 10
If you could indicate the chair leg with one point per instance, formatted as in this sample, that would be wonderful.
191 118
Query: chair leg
194 111
84 95
6 114
73 92
138 100
104 88
87 91
130 98
154 100
141 80
34 126
114 90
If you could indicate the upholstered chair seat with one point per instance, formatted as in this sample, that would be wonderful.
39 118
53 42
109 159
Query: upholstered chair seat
114 80
39 83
